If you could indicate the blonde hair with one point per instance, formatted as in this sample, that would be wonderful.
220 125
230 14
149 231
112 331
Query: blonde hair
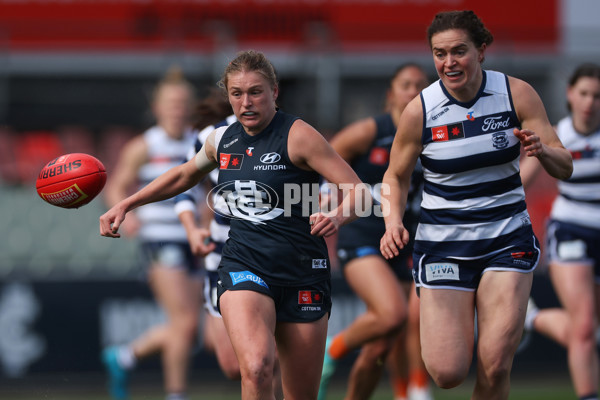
173 77
249 60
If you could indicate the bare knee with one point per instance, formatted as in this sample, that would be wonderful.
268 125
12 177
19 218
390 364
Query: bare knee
390 321
495 373
258 372
186 326
231 371
447 375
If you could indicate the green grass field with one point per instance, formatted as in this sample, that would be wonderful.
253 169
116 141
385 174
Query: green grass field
148 387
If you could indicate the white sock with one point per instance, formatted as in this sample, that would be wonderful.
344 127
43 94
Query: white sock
126 358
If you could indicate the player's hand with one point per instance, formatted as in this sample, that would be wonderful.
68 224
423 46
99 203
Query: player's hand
111 220
530 141
393 240
323 224
200 243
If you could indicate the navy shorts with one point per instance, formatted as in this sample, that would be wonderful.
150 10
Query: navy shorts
211 293
171 255
437 272
306 303
400 265
568 243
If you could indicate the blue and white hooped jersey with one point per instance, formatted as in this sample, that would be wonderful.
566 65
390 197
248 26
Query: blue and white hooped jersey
578 201
159 220
473 201
219 226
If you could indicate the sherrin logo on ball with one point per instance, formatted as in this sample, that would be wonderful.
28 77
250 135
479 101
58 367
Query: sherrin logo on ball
71 180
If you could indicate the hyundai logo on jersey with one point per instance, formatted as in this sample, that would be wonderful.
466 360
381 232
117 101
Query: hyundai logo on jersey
270 158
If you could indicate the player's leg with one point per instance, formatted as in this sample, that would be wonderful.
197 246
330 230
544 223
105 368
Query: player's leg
373 281
574 285
418 377
301 347
249 318
550 322
397 366
368 368
501 302
217 341
447 334
180 297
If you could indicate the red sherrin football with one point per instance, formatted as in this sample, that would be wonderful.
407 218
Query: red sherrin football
71 180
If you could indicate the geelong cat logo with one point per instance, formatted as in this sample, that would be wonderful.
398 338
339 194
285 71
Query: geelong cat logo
248 200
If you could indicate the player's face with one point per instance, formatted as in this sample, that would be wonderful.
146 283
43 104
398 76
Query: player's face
252 99
172 108
584 98
407 84
458 62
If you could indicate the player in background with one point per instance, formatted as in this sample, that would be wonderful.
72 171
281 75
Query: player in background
274 288
573 235
208 241
474 246
384 286
173 272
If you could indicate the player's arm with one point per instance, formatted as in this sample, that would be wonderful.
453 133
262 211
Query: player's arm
355 139
308 149
406 149
124 176
537 136
174 181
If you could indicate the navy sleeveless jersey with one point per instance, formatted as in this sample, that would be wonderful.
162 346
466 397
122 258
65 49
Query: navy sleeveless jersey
370 167
269 235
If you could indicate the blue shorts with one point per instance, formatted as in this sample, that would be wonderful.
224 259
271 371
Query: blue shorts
171 255
400 265
436 272
568 243
307 303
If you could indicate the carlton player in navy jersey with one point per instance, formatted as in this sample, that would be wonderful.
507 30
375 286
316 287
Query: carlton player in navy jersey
474 245
573 235
383 285
274 275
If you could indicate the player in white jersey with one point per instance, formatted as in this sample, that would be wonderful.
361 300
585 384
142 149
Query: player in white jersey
173 273
474 246
573 235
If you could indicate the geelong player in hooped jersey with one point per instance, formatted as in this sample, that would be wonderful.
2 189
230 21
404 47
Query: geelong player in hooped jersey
474 246
386 330
266 295
573 235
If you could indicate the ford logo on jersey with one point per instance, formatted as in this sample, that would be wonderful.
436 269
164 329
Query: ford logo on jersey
248 200
270 158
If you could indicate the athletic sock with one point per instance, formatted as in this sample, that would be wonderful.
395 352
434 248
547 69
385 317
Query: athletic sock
176 396
400 387
338 348
418 378
126 358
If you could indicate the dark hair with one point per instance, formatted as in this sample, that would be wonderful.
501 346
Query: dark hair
585 70
213 108
466 20
402 67
249 60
